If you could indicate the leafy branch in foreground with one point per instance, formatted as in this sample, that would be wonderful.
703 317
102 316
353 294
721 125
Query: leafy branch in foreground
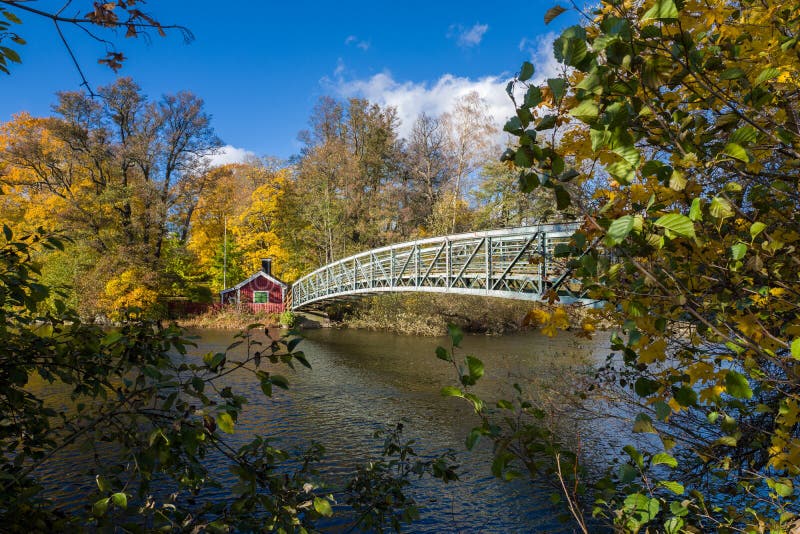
683 116
377 492
522 434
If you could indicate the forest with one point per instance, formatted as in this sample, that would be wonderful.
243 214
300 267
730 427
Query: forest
127 181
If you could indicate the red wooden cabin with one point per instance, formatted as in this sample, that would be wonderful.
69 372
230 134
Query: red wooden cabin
261 292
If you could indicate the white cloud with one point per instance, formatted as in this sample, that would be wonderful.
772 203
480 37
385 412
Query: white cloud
355 41
230 154
412 98
340 68
540 51
467 37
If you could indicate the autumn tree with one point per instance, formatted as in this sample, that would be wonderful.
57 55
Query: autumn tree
350 169
689 111
428 167
501 204
470 140
120 174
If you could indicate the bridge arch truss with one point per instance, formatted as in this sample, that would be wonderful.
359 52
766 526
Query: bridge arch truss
515 263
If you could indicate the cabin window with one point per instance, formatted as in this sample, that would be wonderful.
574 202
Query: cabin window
261 297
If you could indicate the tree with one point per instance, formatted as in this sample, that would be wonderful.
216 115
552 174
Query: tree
470 137
120 174
262 230
429 168
689 109
350 174
501 204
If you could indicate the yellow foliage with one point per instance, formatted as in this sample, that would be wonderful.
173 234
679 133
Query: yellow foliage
127 290
551 322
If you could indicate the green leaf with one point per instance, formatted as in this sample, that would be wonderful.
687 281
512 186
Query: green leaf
733 73
451 391
677 182
455 333
756 228
472 438
664 458
675 487
120 499
225 422
645 387
784 489
679 509
7 233
546 122
635 455
475 367
735 150
100 508
662 9
765 75
647 508
533 96
103 484
552 13
442 354
728 441
513 126
673 525
587 111
662 409
526 71
622 172
685 396
721 208
563 199
737 385
696 211
629 154
738 251
279 381
627 473
676 223
796 349
745 134
558 86
620 228
323 507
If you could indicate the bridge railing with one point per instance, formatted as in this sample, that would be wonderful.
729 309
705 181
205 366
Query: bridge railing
513 263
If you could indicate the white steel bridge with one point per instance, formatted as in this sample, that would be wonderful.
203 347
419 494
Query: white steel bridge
513 263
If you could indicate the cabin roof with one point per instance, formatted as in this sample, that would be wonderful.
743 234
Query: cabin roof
256 275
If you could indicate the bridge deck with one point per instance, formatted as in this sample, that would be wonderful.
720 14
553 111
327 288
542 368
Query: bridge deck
516 263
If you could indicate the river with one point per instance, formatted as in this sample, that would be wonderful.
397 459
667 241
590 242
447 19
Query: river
363 381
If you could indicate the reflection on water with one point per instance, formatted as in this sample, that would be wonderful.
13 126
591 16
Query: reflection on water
363 381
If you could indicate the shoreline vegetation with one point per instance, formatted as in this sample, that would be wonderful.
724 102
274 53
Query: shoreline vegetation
410 314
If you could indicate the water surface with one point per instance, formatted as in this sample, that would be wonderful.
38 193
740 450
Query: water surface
364 381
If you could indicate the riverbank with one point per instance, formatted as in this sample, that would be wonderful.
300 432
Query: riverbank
415 314
232 319
429 314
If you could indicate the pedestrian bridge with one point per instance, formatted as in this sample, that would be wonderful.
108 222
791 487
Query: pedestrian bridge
512 263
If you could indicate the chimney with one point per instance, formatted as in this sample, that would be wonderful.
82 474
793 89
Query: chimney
266 265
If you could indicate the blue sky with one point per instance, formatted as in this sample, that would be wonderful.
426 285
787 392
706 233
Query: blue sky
261 66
